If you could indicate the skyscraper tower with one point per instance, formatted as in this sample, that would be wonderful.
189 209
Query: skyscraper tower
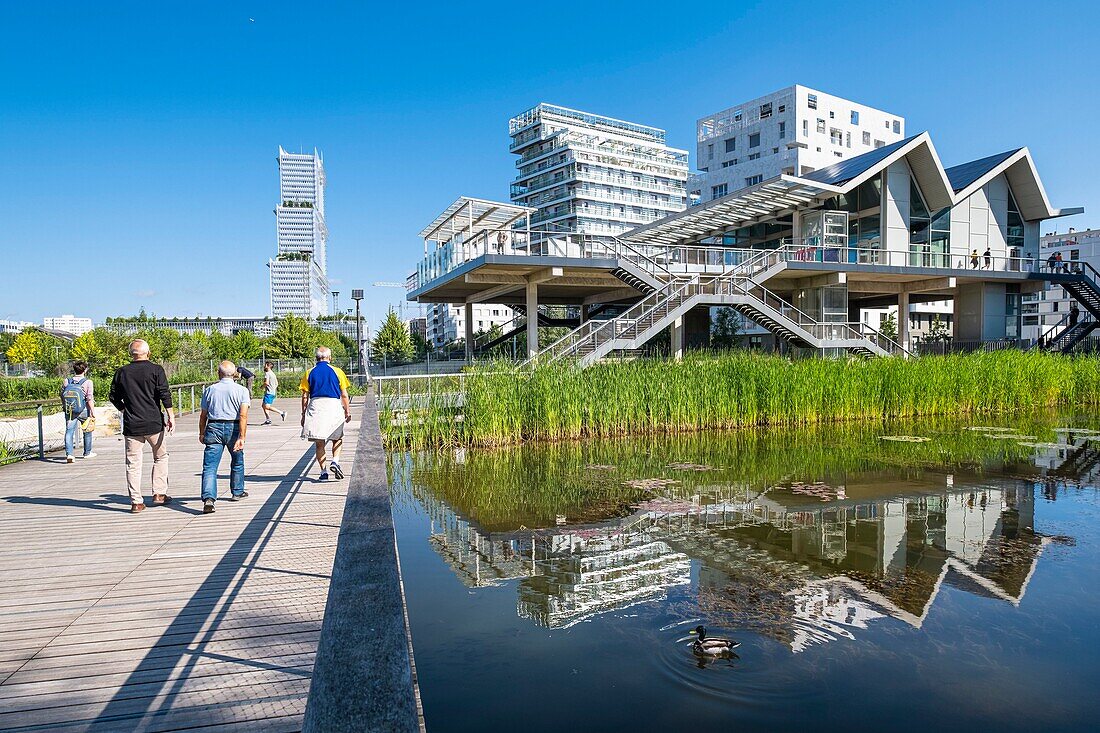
299 272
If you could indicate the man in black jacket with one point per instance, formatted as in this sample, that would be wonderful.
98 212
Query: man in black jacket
139 390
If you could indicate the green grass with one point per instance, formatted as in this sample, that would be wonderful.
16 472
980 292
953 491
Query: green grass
738 389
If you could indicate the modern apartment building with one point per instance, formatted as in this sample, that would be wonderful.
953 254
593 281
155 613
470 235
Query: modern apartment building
299 272
68 323
591 174
1042 311
793 131
14 326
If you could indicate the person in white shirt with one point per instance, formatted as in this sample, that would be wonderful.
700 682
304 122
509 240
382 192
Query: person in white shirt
271 388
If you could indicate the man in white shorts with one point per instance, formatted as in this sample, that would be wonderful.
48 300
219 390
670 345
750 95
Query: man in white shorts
325 410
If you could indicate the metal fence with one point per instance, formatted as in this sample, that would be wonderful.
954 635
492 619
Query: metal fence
30 429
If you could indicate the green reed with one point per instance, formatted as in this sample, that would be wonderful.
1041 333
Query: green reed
737 389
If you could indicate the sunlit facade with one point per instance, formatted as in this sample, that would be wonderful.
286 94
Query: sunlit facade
298 274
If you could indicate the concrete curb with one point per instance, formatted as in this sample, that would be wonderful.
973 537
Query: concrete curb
364 679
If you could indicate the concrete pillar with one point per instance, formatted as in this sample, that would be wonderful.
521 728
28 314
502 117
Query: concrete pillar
584 314
903 320
796 225
676 333
532 319
469 337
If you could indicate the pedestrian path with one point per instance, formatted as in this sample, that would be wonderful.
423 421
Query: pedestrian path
168 619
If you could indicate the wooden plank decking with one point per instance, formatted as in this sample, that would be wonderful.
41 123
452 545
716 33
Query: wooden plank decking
169 619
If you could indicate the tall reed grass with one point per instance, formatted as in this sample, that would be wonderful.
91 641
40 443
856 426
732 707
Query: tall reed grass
740 389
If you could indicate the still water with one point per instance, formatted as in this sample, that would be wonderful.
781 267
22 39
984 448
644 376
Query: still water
942 580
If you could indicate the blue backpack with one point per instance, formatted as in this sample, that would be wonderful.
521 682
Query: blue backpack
73 401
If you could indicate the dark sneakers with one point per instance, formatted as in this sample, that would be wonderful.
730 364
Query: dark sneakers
235 497
208 506
337 471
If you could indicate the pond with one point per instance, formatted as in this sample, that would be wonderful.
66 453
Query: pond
901 577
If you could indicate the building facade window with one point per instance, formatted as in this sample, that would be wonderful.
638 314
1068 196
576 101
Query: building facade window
782 130
1014 233
754 140
718 191
866 138
805 128
820 125
754 156
897 127
879 144
836 137
929 234
753 180
811 101
765 110
731 144
855 117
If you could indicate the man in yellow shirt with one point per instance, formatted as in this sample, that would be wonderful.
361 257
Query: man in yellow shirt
324 392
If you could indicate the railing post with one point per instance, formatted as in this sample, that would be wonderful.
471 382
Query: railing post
41 436
192 398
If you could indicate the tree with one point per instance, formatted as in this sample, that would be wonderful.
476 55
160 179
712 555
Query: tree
25 349
392 341
193 348
888 326
104 349
937 332
726 329
244 345
421 347
292 339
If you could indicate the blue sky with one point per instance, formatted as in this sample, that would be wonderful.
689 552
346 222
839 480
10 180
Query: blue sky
140 138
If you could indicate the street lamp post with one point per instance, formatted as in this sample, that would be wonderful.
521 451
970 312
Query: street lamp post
357 295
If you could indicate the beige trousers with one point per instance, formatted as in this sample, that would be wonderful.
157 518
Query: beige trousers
134 459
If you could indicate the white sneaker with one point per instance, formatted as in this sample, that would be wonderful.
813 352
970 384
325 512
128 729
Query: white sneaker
89 455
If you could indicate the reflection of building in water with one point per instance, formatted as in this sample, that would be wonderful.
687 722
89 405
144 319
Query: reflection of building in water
800 570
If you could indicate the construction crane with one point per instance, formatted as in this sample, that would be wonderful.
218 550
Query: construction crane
401 302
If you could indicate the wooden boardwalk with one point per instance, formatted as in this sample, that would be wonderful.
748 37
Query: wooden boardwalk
169 619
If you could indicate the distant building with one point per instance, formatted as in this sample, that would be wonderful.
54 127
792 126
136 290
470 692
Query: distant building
594 175
68 324
299 273
793 131
14 326
262 326
418 326
1042 311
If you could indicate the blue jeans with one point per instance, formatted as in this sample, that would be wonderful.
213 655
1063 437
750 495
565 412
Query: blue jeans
72 427
221 436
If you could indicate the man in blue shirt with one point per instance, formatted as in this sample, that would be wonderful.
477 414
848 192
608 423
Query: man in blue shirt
325 409
223 423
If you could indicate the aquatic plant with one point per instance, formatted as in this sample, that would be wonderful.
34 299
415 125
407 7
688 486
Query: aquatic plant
559 401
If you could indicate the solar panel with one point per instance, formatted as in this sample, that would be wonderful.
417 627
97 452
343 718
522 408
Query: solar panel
963 175
848 169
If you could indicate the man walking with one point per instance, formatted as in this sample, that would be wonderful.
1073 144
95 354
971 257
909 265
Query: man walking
325 409
139 390
223 422
271 388
248 376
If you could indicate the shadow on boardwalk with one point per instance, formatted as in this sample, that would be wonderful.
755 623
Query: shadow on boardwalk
179 646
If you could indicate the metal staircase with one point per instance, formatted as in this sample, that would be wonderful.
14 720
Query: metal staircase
1083 288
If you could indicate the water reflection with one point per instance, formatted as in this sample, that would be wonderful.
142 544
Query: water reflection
803 548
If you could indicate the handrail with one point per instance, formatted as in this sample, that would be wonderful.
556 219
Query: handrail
1045 338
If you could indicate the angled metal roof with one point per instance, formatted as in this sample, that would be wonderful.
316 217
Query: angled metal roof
473 216
845 170
737 209
964 174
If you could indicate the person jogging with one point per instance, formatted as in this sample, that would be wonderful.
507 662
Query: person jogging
325 410
271 389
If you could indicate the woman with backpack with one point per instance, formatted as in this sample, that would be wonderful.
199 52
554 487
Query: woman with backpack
79 406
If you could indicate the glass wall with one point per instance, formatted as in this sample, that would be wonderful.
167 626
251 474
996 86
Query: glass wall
864 206
929 234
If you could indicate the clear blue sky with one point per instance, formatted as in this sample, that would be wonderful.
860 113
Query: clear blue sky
142 136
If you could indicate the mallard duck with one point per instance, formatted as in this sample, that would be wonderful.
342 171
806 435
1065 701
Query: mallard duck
711 646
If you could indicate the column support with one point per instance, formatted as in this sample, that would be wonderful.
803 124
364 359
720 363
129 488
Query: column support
903 320
676 334
532 319
469 332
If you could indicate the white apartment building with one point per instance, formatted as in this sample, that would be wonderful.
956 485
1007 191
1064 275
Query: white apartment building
14 326
591 174
447 323
69 324
1042 311
795 131
299 272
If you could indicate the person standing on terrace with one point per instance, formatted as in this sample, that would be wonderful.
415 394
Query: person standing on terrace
325 410
78 401
223 423
140 390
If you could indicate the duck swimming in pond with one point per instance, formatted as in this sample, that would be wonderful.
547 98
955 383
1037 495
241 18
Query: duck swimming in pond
711 646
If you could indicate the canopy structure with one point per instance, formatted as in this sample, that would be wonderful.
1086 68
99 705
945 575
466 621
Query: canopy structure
471 216
749 205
